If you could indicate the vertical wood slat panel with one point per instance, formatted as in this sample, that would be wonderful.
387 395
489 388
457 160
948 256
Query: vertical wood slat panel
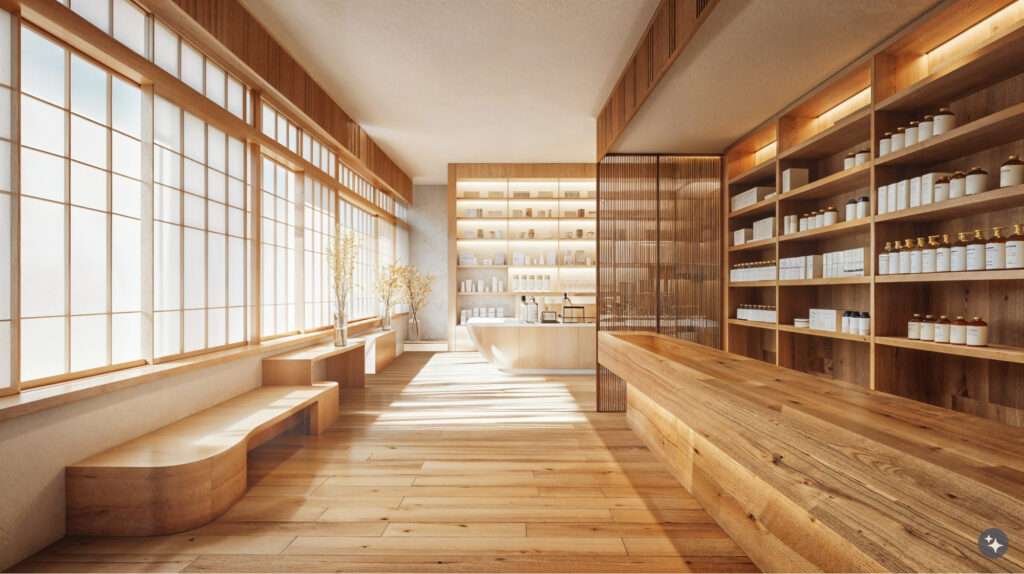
659 252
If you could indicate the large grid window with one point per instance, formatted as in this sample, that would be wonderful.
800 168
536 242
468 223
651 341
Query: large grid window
277 249
6 199
362 303
122 19
319 218
80 213
199 234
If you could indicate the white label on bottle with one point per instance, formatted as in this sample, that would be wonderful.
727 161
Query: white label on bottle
914 330
976 257
864 325
927 331
894 263
958 334
928 261
977 336
905 262
958 258
942 332
915 261
942 259
883 264
1015 254
1011 175
995 256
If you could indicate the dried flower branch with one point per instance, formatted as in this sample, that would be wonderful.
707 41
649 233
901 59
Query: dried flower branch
388 284
416 288
341 258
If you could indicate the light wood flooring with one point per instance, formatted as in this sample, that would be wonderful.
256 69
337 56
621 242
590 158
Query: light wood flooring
443 464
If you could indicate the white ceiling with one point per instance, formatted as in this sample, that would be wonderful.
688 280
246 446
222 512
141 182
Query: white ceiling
461 81
751 59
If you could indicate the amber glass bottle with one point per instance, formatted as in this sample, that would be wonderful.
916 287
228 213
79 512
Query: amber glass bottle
958 331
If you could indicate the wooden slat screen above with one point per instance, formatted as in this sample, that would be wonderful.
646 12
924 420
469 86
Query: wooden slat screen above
670 29
241 33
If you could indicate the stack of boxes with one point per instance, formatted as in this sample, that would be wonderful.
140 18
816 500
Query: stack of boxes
750 197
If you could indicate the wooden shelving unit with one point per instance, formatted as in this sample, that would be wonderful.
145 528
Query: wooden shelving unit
971 64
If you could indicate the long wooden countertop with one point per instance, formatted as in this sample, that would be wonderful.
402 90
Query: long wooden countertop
807 473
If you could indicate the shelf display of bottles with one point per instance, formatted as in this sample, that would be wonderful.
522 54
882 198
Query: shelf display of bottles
959 331
967 251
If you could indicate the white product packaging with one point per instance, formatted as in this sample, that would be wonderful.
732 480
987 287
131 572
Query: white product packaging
764 228
750 197
902 195
915 192
813 268
793 178
928 186
977 182
883 201
826 319
890 197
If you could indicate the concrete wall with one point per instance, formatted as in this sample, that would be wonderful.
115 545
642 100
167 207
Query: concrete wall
428 251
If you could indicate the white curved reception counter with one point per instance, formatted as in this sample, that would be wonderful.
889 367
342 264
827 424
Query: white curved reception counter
536 348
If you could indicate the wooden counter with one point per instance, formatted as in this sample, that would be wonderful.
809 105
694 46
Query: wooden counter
523 348
809 474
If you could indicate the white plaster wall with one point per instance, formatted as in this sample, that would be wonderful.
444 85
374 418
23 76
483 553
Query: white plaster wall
428 250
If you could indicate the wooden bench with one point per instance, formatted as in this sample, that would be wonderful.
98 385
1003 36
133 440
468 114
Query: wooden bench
346 365
190 472
810 474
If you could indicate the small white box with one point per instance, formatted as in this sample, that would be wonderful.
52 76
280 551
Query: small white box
890 198
928 186
764 228
826 319
915 192
750 197
902 195
793 178
813 267
741 236
882 201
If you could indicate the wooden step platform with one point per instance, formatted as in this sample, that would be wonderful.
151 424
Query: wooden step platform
806 473
346 365
188 473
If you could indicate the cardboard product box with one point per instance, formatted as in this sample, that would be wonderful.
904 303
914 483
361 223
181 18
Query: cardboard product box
890 198
764 228
793 178
750 197
915 192
826 319
813 267
928 186
741 236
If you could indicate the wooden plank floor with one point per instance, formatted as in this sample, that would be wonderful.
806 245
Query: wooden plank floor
443 464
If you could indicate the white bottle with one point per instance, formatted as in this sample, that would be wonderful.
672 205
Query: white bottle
532 311
915 258
547 283
905 258
976 252
942 256
995 250
958 255
914 328
1015 248
521 309
515 282
864 323
894 260
883 262
929 255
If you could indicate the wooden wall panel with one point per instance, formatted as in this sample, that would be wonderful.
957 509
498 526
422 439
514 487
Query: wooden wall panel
659 252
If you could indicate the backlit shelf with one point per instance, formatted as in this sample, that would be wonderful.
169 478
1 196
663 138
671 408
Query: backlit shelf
995 200
844 134
754 324
852 179
825 334
993 275
841 229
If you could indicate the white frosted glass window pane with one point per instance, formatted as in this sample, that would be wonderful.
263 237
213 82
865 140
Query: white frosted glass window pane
127 108
307 147
236 271
167 204
282 130
215 217
218 150
166 124
5 352
281 276
88 142
236 222
166 266
269 202
126 332
195 211
195 269
88 261
130 26
5 51
269 119
5 110
267 179
216 181
236 158
217 328
165 48
216 270
42 126
280 183
215 84
267 320
166 167
127 196
236 100
195 178
42 348
96 12
42 258
280 319
42 67
88 342
293 139
195 138
88 186
191 67
127 155
5 263
167 334
126 270
267 264
236 325
236 193
88 90
195 330
42 175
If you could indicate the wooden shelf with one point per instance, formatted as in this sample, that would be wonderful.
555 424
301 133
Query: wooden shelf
761 244
752 283
991 352
987 132
754 324
847 180
826 334
994 275
995 200
554 293
846 133
981 67
481 266
763 206
486 219
486 239
494 293
825 281
763 171
862 225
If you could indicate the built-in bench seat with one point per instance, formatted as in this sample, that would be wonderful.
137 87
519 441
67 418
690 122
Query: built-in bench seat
188 473
346 365
810 474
